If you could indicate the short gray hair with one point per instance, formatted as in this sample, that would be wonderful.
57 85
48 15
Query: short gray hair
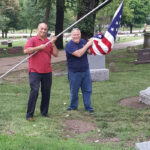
75 29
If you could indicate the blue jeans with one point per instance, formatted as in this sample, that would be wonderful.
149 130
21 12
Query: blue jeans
79 80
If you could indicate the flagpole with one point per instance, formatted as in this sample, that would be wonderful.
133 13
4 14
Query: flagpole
96 8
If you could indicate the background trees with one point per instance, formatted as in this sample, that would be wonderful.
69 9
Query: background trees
9 13
59 14
87 25
136 13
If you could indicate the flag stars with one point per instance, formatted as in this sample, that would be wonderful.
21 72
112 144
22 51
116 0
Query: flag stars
112 29
104 46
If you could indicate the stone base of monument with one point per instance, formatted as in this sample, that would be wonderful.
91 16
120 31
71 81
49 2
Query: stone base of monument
99 74
143 146
144 96
143 56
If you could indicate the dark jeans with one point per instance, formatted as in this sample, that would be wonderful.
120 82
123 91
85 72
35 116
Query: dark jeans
46 81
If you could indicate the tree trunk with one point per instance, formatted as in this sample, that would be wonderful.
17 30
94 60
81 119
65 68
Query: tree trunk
47 12
2 34
87 25
5 33
31 32
131 26
60 4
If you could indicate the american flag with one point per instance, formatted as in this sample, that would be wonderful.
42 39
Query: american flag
103 44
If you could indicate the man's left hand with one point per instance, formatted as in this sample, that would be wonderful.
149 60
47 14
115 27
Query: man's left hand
54 38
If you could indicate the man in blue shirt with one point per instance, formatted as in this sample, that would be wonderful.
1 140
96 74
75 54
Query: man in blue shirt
78 70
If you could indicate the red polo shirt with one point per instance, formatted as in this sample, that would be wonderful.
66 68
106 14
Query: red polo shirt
41 61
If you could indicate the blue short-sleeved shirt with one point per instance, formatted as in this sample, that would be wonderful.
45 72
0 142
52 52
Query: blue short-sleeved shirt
76 64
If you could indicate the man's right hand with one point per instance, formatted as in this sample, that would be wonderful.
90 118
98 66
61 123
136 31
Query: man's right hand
90 42
42 46
33 49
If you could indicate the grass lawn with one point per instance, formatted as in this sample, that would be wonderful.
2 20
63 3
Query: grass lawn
127 39
115 127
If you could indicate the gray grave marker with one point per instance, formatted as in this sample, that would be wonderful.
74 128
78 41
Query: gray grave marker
143 146
97 68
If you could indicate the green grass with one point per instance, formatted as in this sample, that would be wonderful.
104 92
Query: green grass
112 121
14 43
19 43
127 39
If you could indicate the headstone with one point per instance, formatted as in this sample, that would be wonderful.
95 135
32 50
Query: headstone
146 40
15 50
112 67
129 49
144 53
144 96
135 49
1 50
24 36
97 68
4 43
143 146
144 56
9 43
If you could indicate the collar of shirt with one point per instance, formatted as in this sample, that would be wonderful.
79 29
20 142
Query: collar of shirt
39 38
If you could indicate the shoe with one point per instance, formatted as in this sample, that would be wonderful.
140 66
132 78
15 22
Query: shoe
46 116
30 119
71 108
91 111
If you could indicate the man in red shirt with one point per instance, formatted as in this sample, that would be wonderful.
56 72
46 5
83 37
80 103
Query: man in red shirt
40 69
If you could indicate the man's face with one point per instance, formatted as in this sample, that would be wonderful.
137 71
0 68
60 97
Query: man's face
42 30
76 36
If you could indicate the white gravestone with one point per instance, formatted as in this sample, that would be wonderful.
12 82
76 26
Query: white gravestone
143 146
97 68
144 96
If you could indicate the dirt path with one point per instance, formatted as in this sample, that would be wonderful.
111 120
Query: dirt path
9 62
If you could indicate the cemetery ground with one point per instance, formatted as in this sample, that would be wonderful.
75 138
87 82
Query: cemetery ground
17 43
119 120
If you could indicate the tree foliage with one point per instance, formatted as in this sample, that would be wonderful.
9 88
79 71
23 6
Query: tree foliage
87 25
135 13
23 14
139 11
33 14
9 15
